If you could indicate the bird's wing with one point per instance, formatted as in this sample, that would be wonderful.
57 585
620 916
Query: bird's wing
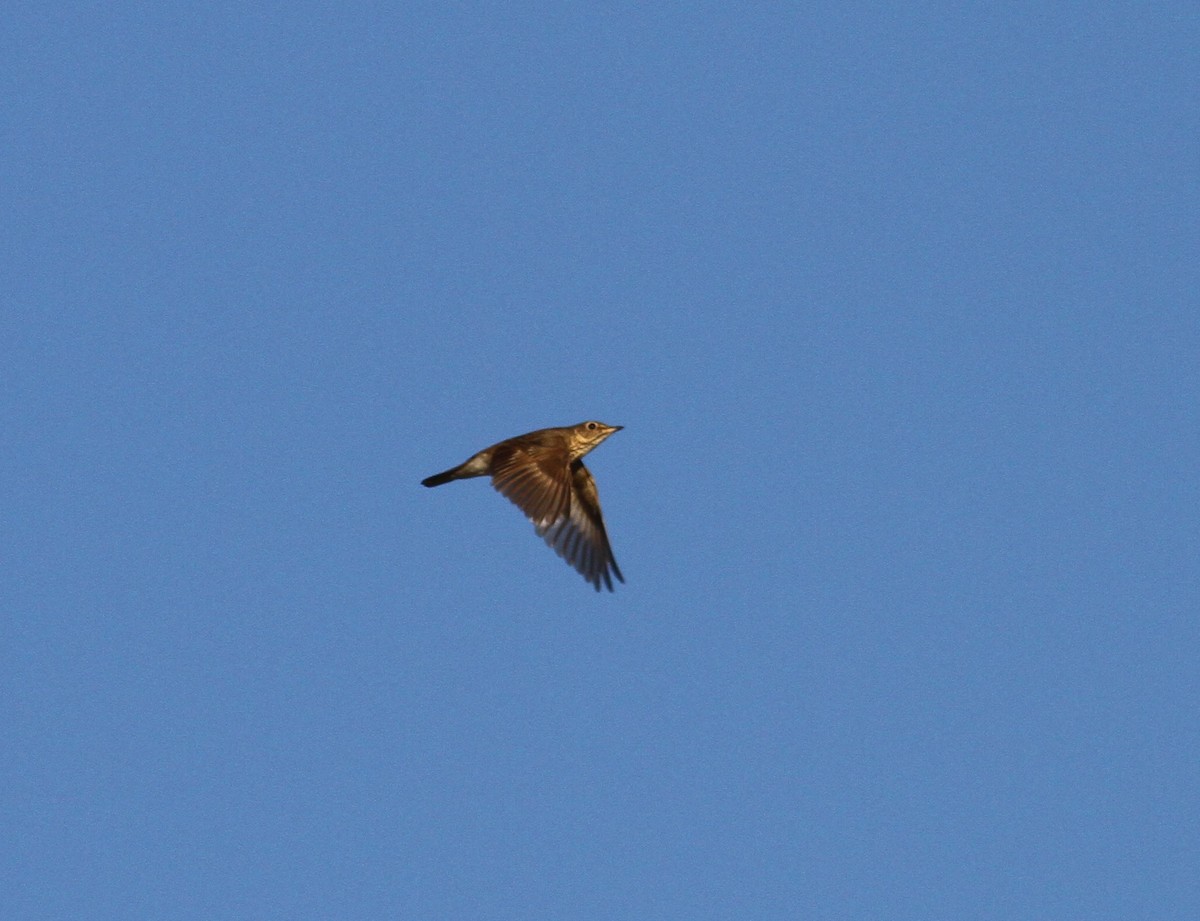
537 482
578 535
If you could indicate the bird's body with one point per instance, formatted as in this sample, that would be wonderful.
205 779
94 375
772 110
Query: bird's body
543 474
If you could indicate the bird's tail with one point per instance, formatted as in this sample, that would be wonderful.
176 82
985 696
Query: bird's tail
439 478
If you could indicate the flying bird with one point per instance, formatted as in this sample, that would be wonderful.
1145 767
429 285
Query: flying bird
542 473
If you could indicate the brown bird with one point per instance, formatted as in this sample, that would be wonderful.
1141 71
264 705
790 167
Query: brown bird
542 473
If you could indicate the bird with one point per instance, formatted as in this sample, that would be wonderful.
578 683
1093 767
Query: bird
542 473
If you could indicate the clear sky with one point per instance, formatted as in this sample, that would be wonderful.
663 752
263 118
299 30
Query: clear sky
898 306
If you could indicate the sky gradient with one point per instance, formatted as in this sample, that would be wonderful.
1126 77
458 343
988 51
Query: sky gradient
898 307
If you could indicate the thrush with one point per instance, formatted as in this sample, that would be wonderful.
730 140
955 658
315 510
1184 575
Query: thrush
543 474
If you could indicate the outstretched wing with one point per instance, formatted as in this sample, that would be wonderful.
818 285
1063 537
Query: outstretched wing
578 535
537 482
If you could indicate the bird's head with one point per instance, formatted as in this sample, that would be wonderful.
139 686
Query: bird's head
586 435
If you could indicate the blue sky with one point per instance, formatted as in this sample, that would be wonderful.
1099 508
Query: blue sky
897 305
